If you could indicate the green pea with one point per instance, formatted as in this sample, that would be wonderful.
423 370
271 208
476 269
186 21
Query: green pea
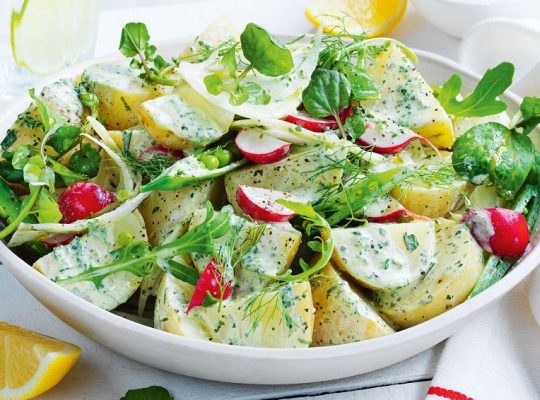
210 161
124 238
224 157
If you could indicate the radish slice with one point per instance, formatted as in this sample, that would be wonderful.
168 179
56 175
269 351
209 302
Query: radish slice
261 148
499 231
261 203
388 209
314 124
386 137
59 239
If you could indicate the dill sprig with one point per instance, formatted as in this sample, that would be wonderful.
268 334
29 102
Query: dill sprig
151 167
207 50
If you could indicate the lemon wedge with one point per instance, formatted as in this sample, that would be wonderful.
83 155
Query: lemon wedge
30 363
356 17
47 35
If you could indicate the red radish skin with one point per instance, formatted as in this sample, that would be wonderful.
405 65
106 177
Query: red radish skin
390 142
389 210
499 231
261 205
314 124
210 283
58 240
83 199
261 148
147 154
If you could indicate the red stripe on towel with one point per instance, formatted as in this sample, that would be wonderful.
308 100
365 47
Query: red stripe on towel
447 393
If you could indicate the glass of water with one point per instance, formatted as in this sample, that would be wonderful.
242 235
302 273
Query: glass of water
40 37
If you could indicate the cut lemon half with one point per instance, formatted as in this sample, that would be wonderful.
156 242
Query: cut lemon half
356 17
30 363
47 35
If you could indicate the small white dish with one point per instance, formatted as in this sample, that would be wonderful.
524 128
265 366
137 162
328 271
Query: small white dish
251 365
455 17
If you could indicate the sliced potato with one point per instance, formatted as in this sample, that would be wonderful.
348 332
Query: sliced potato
275 318
92 249
271 255
120 92
174 123
342 313
306 174
407 99
458 266
385 256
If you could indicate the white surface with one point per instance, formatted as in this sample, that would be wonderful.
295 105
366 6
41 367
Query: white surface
101 374
496 356
455 17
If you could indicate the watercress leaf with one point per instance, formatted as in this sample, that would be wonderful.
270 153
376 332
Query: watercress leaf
483 100
356 124
214 84
134 39
256 94
86 161
64 138
238 95
9 139
48 210
530 112
327 93
363 87
160 63
265 53
36 173
21 155
315 245
135 64
229 61
150 52
493 152
9 173
65 172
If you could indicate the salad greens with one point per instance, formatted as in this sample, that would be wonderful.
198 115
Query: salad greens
483 101
148 393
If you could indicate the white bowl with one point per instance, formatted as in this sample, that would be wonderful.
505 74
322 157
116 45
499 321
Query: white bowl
250 365
455 17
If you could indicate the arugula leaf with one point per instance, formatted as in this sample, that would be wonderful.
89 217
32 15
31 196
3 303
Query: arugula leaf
327 93
138 258
265 53
356 124
180 271
530 113
134 42
148 393
492 151
64 138
48 210
483 100
86 161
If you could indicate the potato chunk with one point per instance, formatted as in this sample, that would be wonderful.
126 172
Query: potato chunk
342 313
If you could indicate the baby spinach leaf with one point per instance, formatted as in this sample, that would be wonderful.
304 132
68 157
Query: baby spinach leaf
483 100
356 124
363 87
327 93
86 161
492 151
265 53
148 393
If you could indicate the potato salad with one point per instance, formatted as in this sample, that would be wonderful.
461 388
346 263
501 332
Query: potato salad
267 192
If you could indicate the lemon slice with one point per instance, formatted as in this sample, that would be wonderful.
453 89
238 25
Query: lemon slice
357 17
30 363
47 35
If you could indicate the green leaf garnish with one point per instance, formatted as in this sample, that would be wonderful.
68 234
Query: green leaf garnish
411 241
483 100
64 138
356 124
530 114
148 393
48 210
86 161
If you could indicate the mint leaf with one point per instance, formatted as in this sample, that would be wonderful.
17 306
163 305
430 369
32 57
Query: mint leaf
148 393
483 100
265 53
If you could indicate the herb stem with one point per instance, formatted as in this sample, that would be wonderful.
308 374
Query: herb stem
22 215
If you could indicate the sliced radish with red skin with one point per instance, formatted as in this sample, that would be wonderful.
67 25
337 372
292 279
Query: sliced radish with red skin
314 124
388 209
261 204
261 148
83 199
210 286
391 139
59 239
499 231
147 154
